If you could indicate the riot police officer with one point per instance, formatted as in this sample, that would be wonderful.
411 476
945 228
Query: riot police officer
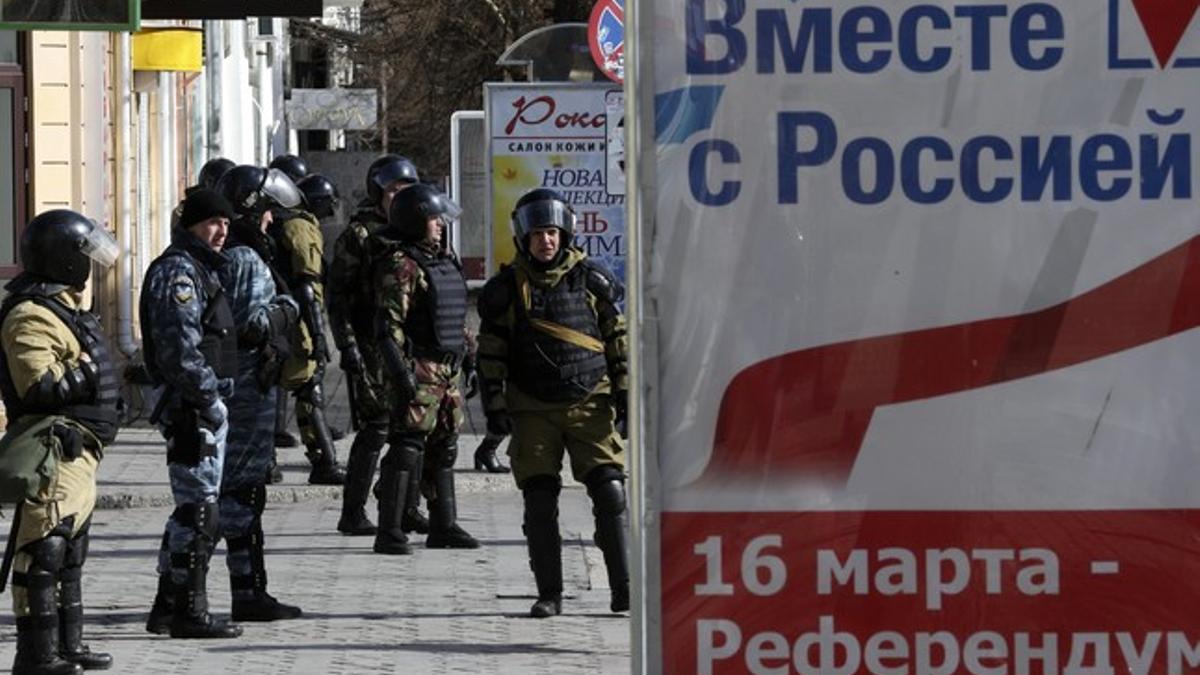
189 341
420 329
351 312
60 391
552 365
295 254
295 167
320 195
212 171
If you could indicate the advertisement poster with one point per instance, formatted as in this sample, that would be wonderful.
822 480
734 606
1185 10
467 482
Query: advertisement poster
554 135
922 284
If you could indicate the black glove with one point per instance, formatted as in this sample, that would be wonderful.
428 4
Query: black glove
351 360
470 377
621 409
69 440
499 423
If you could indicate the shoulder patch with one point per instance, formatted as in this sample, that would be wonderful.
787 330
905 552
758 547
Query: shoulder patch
182 289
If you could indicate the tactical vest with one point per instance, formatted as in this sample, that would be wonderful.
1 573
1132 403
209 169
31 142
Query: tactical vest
218 342
436 323
548 368
101 415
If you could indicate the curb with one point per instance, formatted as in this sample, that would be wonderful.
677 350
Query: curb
465 482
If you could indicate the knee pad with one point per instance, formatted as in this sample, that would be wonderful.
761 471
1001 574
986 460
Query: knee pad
311 393
405 452
606 487
48 554
254 497
201 517
443 454
541 499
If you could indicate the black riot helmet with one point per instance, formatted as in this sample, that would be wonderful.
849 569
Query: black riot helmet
293 166
387 170
408 217
61 246
320 194
252 190
542 207
212 171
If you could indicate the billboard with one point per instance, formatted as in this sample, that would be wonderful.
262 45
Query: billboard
555 135
228 9
332 109
99 15
920 286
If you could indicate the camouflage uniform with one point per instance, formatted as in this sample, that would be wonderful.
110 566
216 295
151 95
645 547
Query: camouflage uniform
351 316
299 260
552 359
189 339
39 345
259 313
426 405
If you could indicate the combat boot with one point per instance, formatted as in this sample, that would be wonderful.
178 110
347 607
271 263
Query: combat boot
70 610
360 471
323 453
607 490
393 487
191 618
545 544
413 520
159 621
37 633
251 601
485 455
444 531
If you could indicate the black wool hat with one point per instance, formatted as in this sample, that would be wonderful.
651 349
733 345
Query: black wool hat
203 204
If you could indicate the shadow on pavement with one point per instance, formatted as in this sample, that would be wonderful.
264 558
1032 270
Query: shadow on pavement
433 647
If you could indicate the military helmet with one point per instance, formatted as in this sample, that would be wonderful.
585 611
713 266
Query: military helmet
387 170
411 209
542 207
212 171
320 194
61 245
292 165
252 190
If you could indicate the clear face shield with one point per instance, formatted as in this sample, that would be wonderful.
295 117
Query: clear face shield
281 190
100 246
547 213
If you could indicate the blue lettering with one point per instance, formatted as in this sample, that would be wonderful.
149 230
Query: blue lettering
971 185
910 55
1036 171
885 170
698 172
790 158
1093 160
1176 162
980 17
815 32
700 27
1023 34
910 170
852 34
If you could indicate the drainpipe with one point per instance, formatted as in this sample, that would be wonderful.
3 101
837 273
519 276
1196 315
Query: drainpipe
125 184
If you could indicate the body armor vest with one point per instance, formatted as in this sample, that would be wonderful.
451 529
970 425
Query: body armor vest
362 297
545 367
101 415
218 342
436 323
